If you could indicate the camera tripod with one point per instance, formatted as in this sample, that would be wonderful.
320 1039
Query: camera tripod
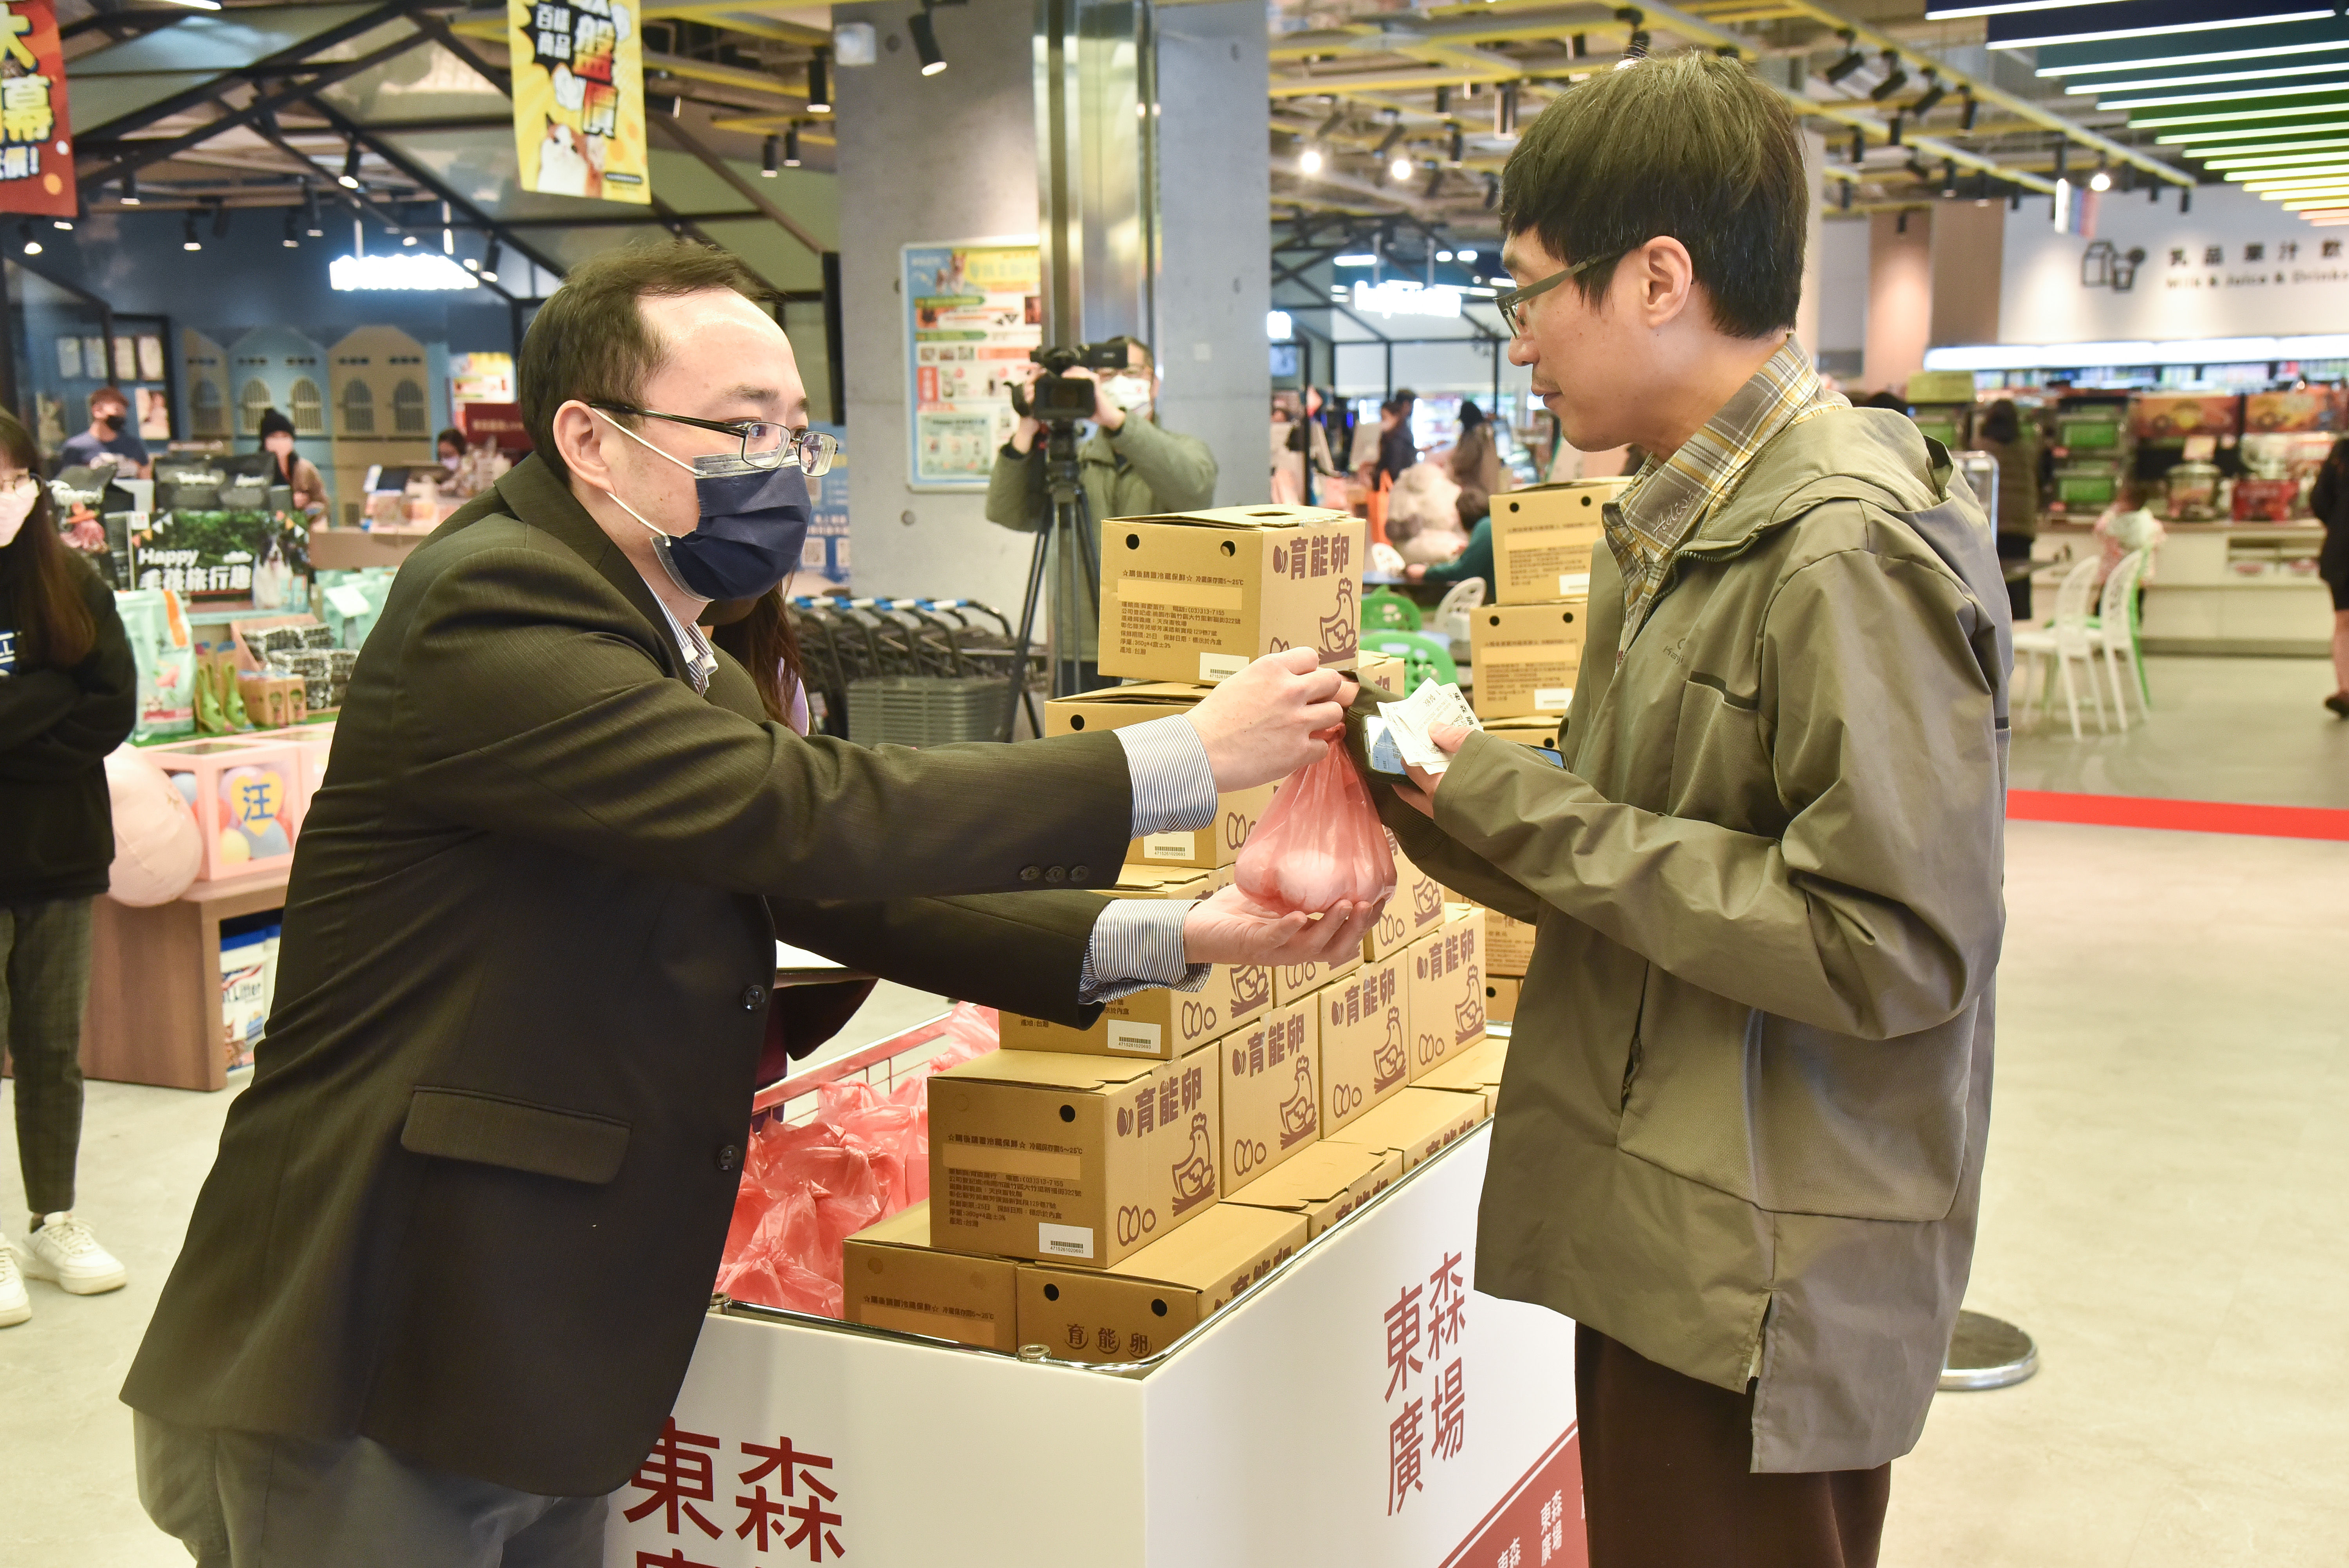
1067 544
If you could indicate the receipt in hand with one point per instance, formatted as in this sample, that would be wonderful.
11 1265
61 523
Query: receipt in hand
1401 734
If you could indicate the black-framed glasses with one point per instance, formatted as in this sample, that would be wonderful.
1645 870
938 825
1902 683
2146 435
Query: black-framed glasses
764 445
1510 302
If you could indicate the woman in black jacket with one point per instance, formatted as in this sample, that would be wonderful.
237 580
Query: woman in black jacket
2329 502
69 695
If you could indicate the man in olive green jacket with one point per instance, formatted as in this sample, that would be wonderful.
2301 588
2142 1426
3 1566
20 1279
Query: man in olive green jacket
1131 466
1741 1133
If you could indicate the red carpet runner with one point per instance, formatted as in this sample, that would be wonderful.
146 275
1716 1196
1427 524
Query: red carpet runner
2178 815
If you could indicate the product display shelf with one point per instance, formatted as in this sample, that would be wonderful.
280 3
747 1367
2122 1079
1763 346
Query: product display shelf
348 549
2199 599
1303 1423
155 1014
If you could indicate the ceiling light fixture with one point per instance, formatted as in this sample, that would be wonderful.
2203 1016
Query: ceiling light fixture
188 240
1851 59
769 157
792 145
1858 146
1930 99
349 178
1457 153
1337 118
25 237
1309 160
1892 133
1434 182
819 85
1949 177
926 41
1387 143
2102 179
130 197
1400 170
293 240
1505 112
489 260
1969 110
63 226
1896 76
313 226
2024 35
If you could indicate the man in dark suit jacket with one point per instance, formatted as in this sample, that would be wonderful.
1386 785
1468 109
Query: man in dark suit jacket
441 1286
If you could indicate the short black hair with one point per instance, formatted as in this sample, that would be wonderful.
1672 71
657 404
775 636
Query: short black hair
589 341
1686 146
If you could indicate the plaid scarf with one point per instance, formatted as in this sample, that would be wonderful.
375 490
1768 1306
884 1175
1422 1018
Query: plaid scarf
1673 496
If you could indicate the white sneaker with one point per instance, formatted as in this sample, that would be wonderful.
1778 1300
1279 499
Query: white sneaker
16 1306
63 1249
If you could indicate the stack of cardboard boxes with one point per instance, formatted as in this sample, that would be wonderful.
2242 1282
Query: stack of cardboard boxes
1525 646
1100 1191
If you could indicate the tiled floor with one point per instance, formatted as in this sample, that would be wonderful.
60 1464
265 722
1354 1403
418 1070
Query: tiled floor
2166 1198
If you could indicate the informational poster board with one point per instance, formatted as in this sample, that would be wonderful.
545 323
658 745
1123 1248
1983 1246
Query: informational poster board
37 169
824 555
973 311
579 98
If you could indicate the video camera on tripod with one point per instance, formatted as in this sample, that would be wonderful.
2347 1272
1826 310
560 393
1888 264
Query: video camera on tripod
1058 398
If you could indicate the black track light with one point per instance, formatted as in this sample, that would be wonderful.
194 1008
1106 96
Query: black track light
2153 193
1948 178
1930 99
1858 145
2185 200
62 226
1492 192
129 187
27 240
1896 76
1637 49
349 178
1900 222
293 240
768 156
1505 111
490 261
1966 115
926 42
791 147
2014 198
1842 197
1434 182
1442 99
220 219
819 84
1849 61
1337 118
2128 178
188 240
1457 153
1892 135
313 225
2061 148
1387 143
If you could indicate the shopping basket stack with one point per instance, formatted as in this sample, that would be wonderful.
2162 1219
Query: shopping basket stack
907 672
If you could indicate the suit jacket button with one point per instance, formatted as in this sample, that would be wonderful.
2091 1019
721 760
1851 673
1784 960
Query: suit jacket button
1029 873
1079 873
729 1157
753 997
1057 873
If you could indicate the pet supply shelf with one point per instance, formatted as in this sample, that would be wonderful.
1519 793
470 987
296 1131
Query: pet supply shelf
155 1014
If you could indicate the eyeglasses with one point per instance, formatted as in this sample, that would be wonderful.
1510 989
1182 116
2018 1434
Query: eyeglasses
764 445
1510 302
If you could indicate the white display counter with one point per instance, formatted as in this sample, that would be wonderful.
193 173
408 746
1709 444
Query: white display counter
1358 1406
2237 587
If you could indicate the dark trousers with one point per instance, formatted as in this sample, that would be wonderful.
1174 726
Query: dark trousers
2016 547
44 986
1667 1482
244 1500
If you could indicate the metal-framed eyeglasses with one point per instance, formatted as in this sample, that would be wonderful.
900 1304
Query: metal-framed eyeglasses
764 445
1511 302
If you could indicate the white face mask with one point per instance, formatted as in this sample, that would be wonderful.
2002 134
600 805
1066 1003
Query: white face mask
1130 393
16 506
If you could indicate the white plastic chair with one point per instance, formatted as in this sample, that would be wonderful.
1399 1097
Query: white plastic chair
2115 631
2068 638
1452 612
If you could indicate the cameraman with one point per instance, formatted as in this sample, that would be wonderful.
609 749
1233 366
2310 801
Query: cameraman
1129 467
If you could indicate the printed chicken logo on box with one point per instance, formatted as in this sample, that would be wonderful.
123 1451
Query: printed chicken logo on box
1416 908
1249 994
1271 1089
1447 989
1141 1306
1365 1040
1082 1160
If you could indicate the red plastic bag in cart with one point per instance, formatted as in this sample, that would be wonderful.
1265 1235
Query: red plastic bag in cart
1320 842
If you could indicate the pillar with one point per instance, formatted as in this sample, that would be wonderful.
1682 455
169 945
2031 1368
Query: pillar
1900 299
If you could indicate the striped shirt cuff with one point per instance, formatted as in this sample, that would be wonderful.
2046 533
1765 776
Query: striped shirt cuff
1174 786
1137 943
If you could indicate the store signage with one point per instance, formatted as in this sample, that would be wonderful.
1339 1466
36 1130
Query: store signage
37 169
1401 297
579 98
973 311
2234 267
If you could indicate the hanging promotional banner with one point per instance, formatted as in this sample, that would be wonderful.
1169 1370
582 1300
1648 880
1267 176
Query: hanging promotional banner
579 98
37 172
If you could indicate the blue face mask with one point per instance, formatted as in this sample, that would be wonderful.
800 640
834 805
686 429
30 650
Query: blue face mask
753 522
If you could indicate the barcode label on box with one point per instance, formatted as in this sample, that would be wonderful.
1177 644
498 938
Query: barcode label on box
1142 1039
1572 583
1169 846
1215 666
1064 1240
1553 699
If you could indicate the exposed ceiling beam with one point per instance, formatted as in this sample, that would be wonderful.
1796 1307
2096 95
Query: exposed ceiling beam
743 188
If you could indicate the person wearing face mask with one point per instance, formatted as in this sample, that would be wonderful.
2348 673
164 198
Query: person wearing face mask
69 695
297 474
1129 466
441 1286
109 438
